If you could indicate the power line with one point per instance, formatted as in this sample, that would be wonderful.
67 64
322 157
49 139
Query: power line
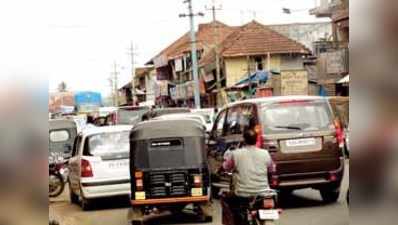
194 56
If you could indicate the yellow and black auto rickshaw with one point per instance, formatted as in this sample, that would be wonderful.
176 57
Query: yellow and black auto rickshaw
169 170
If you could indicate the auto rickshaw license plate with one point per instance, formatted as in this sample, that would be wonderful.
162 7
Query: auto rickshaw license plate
196 192
270 214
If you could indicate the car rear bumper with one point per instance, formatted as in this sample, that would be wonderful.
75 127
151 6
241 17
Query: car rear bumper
101 189
313 179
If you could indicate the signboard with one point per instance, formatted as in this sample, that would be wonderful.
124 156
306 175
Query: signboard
294 83
335 62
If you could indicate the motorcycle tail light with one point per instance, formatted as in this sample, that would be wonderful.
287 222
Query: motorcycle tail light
138 174
268 203
86 170
139 184
197 180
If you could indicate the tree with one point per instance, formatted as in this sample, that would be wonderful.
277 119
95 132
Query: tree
62 87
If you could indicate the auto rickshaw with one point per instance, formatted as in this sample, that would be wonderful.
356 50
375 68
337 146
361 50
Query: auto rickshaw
62 133
169 170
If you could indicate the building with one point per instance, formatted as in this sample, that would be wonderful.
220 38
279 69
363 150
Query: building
306 33
332 64
243 51
145 87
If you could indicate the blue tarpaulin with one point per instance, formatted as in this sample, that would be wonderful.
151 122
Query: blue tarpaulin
258 76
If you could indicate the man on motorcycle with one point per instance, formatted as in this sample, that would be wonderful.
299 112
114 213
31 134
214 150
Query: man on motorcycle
250 167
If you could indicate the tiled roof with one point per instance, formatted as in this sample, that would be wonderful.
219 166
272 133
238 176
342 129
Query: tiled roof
204 37
257 39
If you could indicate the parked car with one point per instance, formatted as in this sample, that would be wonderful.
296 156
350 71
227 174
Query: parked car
62 133
209 113
153 113
301 134
198 117
99 166
169 169
127 115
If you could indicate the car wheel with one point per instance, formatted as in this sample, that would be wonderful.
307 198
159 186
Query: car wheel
74 199
330 195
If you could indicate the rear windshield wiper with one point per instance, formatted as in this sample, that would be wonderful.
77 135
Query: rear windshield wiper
289 127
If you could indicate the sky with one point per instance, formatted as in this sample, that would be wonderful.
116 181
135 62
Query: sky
78 41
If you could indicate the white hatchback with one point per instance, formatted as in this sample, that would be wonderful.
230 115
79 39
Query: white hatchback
99 166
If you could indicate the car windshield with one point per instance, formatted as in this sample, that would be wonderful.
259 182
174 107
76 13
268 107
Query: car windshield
296 116
129 116
109 143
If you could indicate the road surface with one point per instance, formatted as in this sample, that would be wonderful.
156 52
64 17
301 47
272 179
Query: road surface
303 207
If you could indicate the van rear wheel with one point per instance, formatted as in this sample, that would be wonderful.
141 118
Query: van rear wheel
330 195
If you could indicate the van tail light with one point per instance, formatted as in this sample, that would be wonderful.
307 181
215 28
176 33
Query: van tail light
86 170
138 174
260 139
268 203
332 176
339 133
197 180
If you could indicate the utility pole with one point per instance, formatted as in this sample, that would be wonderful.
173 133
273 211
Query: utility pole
132 54
216 49
115 84
194 56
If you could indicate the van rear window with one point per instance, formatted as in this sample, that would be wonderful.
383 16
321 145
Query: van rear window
300 116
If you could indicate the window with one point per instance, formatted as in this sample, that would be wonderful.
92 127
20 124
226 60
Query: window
59 136
233 119
219 124
240 118
76 145
108 143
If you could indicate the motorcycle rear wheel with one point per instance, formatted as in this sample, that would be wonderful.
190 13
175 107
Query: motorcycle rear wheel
56 185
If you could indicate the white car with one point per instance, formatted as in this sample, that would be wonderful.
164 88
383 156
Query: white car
198 117
99 166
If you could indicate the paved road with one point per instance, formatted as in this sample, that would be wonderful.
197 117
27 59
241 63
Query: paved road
304 207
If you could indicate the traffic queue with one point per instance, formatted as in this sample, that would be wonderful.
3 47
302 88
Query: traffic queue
172 160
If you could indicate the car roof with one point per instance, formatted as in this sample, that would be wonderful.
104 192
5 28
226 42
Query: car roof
181 115
276 99
106 129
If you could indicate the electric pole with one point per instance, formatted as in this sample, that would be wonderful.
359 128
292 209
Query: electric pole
216 49
115 84
194 56
132 54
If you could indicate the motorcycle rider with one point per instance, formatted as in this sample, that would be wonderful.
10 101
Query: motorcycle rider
250 167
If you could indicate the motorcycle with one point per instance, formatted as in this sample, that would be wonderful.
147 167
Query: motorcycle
56 176
258 210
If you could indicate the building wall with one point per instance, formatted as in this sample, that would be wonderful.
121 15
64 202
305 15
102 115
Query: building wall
236 68
305 33
291 62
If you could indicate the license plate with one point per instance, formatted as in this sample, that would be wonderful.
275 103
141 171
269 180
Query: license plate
269 214
300 142
118 164
196 192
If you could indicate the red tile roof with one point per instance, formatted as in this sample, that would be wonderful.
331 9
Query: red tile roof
205 39
257 39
